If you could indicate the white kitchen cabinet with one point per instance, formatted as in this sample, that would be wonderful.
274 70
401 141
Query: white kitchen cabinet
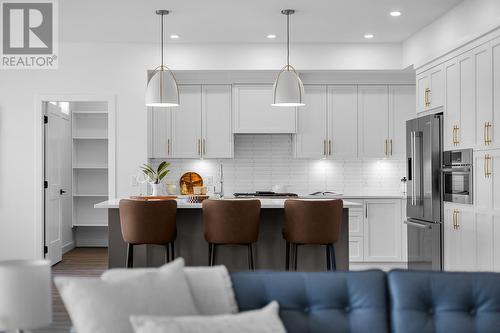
459 238
356 234
430 89
459 115
312 135
487 180
401 109
382 230
483 91
253 113
373 121
495 121
160 136
343 122
216 130
355 249
186 123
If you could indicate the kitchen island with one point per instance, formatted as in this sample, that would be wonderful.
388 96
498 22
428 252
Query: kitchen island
269 251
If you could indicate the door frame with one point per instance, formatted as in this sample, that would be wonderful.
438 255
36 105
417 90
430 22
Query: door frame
39 166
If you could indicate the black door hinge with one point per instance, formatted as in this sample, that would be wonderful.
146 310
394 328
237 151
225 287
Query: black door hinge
45 184
45 119
45 249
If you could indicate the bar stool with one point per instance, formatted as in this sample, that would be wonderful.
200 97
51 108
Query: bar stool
148 222
231 222
312 222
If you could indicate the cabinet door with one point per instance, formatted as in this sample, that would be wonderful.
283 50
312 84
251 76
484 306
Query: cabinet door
495 53
452 109
422 85
436 79
343 121
496 241
355 248
483 181
355 222
450 240
459 238
310 140
401 109
466 128
216 122
186 123
374 121
253 113
159 133
493 168
382 230
483 93
484 240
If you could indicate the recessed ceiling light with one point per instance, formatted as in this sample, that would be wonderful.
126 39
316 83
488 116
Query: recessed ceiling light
395 13
174 36
271 36
369 36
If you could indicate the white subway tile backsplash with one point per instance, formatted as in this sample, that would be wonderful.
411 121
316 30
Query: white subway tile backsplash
261 161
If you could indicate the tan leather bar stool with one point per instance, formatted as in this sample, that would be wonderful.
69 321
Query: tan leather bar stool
231 222
312 222
148 222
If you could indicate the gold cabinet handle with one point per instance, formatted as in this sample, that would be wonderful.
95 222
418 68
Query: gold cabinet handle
454 219
454 141
458 219
324 147
168 146
385 147
199 147
487 159
458 135
204 147
330 147
390 146
485 135
426 97
488 138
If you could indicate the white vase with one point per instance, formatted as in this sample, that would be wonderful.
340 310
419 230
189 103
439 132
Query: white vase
156 189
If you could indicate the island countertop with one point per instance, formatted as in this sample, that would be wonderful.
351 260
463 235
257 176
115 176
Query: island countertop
266 203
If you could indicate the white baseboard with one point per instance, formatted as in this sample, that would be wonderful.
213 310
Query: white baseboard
384 266
68 247
91 236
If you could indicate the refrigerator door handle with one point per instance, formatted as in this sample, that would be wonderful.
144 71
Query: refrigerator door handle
418 224
413 185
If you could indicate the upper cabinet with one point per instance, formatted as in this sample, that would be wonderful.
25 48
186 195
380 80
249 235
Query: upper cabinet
199 127
327 124
253 113
373 121
401 109
430 89
483 91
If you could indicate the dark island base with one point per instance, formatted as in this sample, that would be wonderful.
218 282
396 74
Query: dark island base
269 251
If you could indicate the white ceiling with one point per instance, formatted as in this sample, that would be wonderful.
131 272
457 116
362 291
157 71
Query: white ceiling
236 21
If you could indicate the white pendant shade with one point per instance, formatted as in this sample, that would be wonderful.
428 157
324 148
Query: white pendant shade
288 89
162 90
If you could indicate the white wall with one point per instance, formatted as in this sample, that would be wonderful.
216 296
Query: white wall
120 69
464 23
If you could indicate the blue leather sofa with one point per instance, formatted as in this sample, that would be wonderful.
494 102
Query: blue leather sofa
374 301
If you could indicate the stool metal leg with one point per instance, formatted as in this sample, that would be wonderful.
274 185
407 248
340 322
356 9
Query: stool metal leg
172 250
214 255
130 255
250 257
210 249
287 256
295 255
167 252
334 263
328 258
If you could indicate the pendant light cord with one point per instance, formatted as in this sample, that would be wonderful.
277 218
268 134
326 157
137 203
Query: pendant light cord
162 40
288 41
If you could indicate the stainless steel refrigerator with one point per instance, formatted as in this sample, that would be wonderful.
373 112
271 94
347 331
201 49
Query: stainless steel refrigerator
424 204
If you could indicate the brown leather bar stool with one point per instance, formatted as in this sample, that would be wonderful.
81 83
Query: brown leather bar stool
312 222
148 222
231 222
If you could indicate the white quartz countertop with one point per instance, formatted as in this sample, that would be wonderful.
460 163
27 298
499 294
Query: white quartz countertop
182 203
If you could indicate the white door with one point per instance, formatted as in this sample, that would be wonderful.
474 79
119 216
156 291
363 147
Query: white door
374 121
450 239
186 123
401 109
452 96
484 240
343 121
57 176
382 230
495 123
436 79
160 125
467 239
310 140
466 133
483 93
216 121
253 112
483 181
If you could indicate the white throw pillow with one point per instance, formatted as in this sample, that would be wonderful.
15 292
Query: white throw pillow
96 305
211 287
265 320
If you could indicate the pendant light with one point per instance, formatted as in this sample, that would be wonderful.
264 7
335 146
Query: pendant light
162 90
288 88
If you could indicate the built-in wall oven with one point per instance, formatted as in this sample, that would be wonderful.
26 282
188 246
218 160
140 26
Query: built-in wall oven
457 176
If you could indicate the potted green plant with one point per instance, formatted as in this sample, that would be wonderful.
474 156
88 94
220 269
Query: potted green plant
155 177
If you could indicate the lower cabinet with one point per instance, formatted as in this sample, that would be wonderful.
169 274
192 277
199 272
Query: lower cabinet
376 231
459 238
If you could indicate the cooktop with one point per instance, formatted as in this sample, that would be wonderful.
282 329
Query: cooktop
267 194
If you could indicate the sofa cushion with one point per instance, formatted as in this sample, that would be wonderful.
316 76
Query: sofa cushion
318 302
444 302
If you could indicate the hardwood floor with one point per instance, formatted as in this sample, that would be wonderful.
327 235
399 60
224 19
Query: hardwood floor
77 262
